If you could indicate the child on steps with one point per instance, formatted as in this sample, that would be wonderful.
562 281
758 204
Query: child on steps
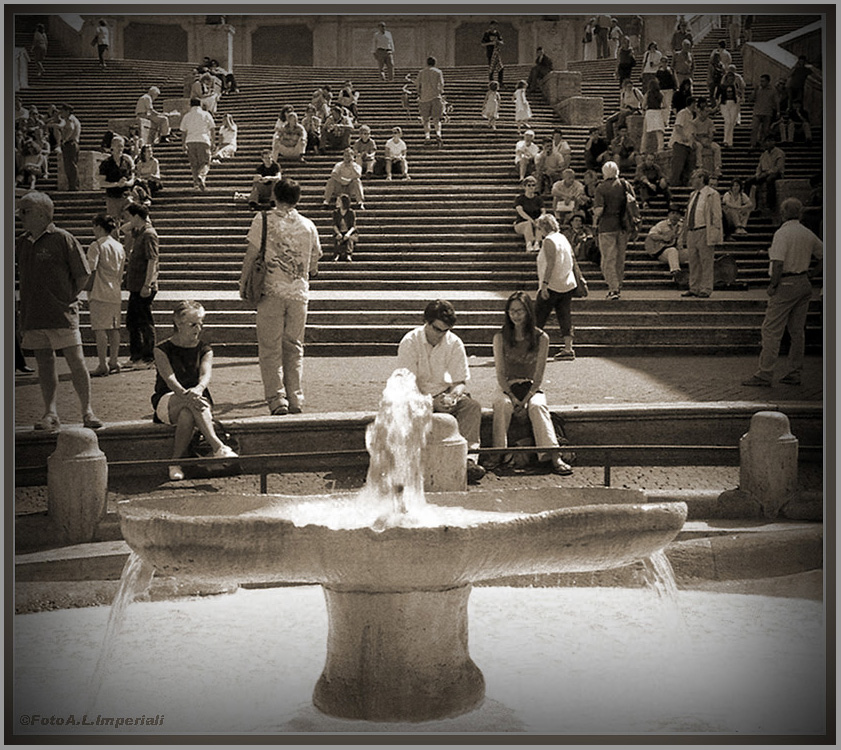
522 110
490 107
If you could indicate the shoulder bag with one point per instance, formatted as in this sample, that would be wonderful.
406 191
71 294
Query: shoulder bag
581 289
256 278
632 218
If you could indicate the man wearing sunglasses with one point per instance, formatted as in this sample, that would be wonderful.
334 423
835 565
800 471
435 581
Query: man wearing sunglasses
436 357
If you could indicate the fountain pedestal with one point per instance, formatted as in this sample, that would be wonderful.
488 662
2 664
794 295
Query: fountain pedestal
398 656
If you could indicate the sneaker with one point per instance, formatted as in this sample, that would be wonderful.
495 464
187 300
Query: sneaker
613 295
756 381
176 473
474 471
689 293
225 451
388 176
564 355
793 378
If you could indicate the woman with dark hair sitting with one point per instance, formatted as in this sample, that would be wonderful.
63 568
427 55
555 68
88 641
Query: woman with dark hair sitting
344 228
148 171
181 397
520 352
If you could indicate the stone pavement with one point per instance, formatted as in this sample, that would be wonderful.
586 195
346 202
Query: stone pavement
341 384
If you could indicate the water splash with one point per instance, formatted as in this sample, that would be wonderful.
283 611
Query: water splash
659 577
395 441
134 581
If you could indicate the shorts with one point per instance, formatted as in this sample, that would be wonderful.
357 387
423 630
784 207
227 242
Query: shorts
162 409
433 109
105 316
51 338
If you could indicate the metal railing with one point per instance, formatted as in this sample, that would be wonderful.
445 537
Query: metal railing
606 456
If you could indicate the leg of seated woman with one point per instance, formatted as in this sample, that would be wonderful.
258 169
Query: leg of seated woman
541 424
525 229
503 410
184 423
204 422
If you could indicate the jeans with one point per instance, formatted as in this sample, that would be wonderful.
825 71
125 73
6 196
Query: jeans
760 125
385 59
141 327
787 309
613 246
334 187
280 345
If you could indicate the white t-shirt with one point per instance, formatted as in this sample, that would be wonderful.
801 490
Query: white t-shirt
437 367
108 258
395 149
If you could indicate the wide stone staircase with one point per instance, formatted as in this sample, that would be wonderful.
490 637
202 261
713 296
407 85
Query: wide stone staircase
446 233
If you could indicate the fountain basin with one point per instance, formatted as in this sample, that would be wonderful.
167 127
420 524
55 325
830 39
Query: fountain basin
396 585
459 538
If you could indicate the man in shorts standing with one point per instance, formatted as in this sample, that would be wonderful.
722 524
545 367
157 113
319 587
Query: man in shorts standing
52 270
430 98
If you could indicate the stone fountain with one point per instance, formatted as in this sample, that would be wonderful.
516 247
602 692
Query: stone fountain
397 567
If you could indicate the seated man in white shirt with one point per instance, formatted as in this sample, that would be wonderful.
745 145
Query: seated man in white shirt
525 154
437 359
145 108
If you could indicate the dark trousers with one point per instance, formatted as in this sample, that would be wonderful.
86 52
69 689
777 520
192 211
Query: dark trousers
644 192
561 303
70 155
770 182
141 327
682 164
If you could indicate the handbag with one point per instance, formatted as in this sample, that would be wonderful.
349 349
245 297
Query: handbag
632 217
255 279
581 289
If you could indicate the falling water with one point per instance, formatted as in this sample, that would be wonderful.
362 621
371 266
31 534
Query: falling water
395 442
135 580
659 577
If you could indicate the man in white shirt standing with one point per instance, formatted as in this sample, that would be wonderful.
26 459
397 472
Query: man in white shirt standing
436 357
789 294
145 108
198 131
384 51
702 232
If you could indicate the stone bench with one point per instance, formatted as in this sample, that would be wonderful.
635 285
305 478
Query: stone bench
558 85
175 109
123 125
581 110
88 169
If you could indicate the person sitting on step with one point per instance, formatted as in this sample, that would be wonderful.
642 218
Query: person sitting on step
525 154
596 149
349 98
312 124
649 180
345 178
290 140
704 138
771 167
551 162
181 397
567 194
227 140
622 149
262 185
365 151
345 233
145 108
338 127
664 241
395 153
736 207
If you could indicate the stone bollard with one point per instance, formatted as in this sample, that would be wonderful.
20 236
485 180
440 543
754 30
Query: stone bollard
768 462
445 457
77 482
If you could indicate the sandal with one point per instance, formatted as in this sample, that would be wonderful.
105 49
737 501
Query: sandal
559 466
100 372
49 423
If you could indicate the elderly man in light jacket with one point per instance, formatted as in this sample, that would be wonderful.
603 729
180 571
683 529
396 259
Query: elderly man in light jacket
702 231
